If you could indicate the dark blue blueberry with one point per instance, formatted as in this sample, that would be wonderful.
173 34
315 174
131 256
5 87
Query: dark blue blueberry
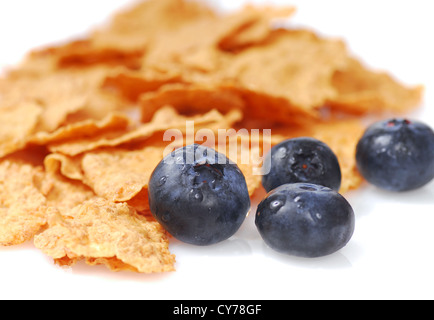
304 160
397 154
305 220
198 195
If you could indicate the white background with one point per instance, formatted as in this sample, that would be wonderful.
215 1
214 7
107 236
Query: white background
391 255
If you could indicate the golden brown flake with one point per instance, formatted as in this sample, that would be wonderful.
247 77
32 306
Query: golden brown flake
16 125
362 91
101 232
22 206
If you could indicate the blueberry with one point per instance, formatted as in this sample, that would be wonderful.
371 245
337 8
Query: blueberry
198 195
305 220
304 160
397 154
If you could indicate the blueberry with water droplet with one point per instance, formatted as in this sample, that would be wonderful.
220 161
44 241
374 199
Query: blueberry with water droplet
198 195
397 154
304 160
305 220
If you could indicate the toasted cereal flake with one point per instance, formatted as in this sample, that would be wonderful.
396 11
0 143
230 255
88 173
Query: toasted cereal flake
85 128
164 119
22 206
131 85
135 28
69 167
229 31
255 29
302 77
342 136
266 108
75 91
190 99
120 175
84 53
193 52
257 80
61 193
361 90
80 54
17 123
140 202
102 232
253 180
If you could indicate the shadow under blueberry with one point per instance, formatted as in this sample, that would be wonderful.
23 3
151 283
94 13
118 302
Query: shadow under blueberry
233 246
365 200
422 196
337 260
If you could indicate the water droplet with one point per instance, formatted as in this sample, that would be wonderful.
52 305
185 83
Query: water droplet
383 141
275 204
213 184
300 205
162 181
281 153
196 195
